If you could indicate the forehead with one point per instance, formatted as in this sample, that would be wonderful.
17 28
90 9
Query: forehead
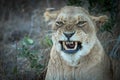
72 13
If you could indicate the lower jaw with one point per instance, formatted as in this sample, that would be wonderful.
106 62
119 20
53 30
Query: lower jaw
70 51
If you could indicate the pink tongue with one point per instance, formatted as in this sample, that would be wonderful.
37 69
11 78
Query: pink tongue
70 45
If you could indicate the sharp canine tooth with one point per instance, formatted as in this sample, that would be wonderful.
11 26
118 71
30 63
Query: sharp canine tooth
75 45
64 45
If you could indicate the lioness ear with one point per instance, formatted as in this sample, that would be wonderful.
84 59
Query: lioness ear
50 15
99 20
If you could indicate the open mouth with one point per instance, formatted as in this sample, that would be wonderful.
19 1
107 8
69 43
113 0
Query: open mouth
70 47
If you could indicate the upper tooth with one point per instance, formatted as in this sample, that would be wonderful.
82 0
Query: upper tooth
67 42
64 45
75 45
71 42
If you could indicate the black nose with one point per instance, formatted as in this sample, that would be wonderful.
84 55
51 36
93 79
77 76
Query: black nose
69 34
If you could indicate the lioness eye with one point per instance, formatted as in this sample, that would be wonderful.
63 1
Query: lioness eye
81 23
59 23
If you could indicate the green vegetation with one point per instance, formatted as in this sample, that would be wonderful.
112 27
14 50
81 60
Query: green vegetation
46 42
31 55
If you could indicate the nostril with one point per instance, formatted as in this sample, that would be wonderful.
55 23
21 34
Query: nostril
69 34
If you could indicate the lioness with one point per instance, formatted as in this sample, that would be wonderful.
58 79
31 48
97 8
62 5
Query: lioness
76 52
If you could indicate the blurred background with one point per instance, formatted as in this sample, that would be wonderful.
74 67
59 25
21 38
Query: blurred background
25 38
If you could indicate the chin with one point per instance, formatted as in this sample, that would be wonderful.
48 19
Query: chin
72 51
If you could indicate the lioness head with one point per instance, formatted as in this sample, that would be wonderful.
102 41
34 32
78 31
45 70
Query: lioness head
74 32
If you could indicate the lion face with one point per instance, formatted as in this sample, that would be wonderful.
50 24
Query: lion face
73 30
74 33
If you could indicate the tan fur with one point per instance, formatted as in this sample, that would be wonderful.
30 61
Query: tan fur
89 63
